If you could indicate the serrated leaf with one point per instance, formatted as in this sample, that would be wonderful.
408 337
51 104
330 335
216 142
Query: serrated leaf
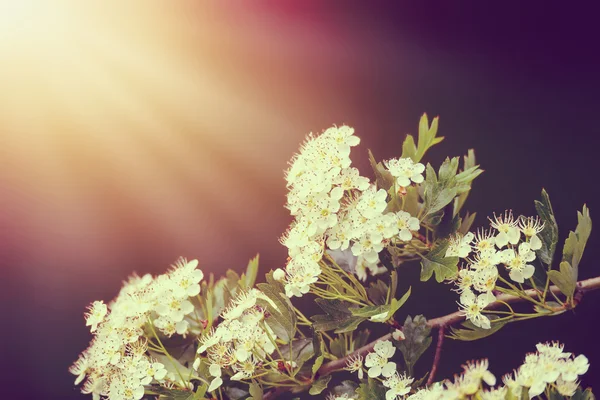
575 243
371 390
549 235
565 279
319 385
175 394
337 347
473 332
282 318
249 278
361 338
338 317
437 193
390 309
436 262
377 292
417 340
466 223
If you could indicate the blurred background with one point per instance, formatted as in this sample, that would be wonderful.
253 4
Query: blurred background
132 133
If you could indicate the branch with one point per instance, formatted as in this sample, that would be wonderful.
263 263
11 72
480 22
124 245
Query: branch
438 354
447 320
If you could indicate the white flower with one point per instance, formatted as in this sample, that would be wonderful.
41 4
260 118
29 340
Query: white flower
398 385
377 361
405 171
279 274
508 232
242 302
478 370
96 314
350 179
398 335
573 368
186 278
531 226
484 241
80 368
473 305
566 388
460 246
372 203
355 364
516 262
405 224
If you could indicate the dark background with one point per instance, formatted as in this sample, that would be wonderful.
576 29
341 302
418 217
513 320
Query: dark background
84 204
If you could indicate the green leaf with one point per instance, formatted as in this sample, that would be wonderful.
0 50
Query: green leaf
256 392
361 338
319 385
249 278
377 292
390 309
282 318
319 349
383 177
575 243
302 350
337 347
338 317
583 395
418 339
565 279
468 174
448 225
549 235
466 223
474 332
436 261
371 390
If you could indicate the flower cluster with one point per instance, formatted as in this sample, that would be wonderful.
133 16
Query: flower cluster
548 366
240 341
335 207
117 364
483 252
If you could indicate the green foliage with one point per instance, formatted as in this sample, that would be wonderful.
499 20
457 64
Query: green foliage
441 189
473 332
427 139
179 394
436 262
377 292
319 385
466 223
256 392
549 235
469 167
418 339
338 317
370 390
383 177
248 279
319 350
566 277
390 309
282 318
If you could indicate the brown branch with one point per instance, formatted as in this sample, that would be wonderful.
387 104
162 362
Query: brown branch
447 320
438 354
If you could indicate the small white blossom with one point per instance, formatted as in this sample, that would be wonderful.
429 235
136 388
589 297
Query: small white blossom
398 385
460 246
355 364
377 361
405 171
96 314
508 232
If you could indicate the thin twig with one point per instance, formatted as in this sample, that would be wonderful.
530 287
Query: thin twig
438 354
